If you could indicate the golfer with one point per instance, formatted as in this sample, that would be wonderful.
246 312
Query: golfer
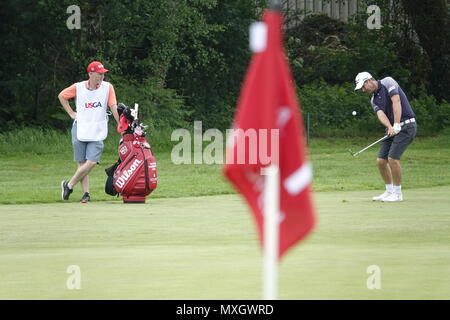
90 126
393 110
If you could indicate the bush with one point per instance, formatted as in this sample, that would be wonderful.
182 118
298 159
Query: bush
160 108
330 112
320 47
431 117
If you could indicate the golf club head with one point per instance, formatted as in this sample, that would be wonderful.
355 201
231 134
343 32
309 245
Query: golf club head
351 152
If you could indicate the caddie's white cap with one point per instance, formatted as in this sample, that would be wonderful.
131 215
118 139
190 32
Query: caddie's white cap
361 78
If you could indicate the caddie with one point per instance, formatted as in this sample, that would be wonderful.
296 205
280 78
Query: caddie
393 110
90 125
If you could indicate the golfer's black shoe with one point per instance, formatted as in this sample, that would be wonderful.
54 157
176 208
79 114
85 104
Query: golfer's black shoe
65 191
86 197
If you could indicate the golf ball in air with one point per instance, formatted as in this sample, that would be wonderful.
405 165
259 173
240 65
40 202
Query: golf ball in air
354 113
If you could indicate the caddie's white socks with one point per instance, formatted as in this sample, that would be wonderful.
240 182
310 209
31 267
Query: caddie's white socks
389 188
398 189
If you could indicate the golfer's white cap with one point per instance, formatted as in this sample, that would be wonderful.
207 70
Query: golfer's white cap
361 78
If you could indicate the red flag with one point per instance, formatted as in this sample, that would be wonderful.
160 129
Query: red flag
268 103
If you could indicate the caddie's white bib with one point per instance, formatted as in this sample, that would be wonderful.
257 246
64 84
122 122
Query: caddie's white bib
92 120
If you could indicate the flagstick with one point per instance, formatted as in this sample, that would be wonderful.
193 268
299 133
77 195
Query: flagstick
271 232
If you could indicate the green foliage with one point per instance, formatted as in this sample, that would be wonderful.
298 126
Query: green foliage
432 117
320 47
146 37
330 110
185 60
197 48
160 108
33 56
326 54
209 70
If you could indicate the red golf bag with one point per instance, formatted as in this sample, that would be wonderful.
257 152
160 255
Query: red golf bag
134 175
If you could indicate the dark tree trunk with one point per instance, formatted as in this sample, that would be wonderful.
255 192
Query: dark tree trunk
431 21
94 33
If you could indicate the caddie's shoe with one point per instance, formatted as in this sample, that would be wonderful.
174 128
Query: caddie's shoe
381 196
393 197
86 197
65 191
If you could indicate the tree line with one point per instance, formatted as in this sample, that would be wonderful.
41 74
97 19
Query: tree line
184 60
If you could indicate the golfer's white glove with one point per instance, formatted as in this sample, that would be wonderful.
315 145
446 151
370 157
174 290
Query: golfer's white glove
397 128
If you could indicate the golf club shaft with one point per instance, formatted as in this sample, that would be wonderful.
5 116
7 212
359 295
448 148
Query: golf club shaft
370 145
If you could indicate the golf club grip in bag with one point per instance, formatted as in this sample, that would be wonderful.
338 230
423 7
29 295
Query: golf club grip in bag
135 177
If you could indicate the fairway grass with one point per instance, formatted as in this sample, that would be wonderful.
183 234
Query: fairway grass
206 248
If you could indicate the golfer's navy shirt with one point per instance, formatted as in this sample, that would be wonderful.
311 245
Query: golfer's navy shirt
381 100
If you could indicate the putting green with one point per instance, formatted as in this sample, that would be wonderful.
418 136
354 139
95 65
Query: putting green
206 248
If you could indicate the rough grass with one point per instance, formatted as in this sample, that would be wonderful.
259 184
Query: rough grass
34 171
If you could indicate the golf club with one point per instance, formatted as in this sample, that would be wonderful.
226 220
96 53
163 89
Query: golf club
370 145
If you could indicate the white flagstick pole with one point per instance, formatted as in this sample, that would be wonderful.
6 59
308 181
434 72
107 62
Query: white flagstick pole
271 231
